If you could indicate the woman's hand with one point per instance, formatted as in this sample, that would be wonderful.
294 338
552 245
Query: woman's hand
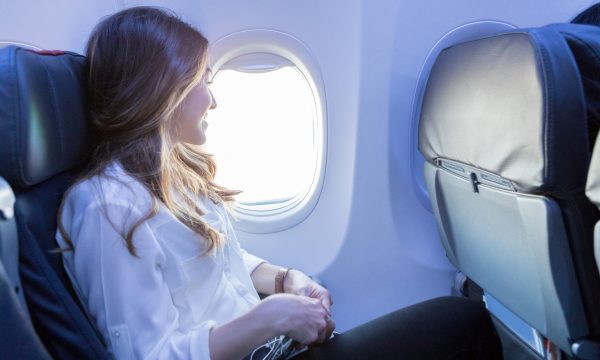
298 283
298 317
302 318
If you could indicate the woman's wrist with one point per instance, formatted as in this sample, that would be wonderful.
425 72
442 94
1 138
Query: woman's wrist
280 277
272 311
289 281
265 314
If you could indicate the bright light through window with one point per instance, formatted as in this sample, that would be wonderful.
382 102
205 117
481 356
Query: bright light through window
263 134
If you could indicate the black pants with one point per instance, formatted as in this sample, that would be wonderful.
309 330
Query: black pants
446 328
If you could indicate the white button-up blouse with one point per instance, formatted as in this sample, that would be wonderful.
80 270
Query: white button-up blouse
162 303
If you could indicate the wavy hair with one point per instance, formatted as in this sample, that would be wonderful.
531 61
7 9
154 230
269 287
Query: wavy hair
143 61
589 16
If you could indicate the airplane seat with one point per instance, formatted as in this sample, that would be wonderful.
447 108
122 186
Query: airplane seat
592 190
18 339
44 135
9 243
506 139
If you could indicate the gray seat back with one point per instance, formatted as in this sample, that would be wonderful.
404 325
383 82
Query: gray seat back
505 134
593 192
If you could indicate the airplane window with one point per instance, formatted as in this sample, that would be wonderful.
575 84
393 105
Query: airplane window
264 131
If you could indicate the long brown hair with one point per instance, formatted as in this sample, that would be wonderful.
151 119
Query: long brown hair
143 61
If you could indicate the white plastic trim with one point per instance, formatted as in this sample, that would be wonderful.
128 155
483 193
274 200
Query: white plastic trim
278 43
460 34
5 43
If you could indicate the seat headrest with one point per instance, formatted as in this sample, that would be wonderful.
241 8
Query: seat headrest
43 114
514 104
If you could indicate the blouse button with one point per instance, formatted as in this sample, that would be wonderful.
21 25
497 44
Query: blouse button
117 334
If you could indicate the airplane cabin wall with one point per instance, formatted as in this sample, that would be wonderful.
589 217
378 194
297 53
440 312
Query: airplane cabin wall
369 238
57 24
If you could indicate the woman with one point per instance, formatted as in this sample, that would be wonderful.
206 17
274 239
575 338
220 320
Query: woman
149 243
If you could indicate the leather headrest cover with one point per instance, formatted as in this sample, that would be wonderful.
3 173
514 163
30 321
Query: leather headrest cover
43 115
511 104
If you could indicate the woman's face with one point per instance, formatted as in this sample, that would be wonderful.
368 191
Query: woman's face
190 127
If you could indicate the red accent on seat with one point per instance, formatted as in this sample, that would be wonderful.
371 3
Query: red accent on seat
49 52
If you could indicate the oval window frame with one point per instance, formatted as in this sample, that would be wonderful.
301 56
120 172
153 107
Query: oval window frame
247 42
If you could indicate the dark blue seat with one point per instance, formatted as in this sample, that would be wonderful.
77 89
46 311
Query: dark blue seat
44 137
18 340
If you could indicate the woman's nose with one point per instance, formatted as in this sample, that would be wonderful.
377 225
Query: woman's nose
213 102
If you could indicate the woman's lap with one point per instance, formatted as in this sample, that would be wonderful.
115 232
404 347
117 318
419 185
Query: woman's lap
446 328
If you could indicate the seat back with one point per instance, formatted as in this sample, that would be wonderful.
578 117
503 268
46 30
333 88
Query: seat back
9 243
43 131
18 340
592 188
505 134
593 193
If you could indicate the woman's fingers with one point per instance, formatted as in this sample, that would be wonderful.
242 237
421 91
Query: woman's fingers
303 285
308 320
330 327
326 301
325 332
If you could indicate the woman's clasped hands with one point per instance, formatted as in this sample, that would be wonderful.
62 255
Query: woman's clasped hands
303 312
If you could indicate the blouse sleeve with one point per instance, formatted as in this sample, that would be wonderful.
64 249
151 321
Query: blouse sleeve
127 295
251 261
